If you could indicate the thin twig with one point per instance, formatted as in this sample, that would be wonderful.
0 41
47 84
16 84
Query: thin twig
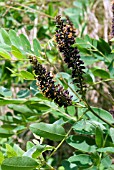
58 146
111 79
35 11
30 10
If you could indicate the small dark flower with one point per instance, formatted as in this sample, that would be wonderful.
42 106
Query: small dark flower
65 38
47 86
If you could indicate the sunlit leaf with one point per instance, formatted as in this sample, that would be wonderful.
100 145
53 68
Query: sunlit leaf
99 137
50 131
27 75
81 144
101 73
19 163
5 37
5 54
4 133
14 38
25 43
37 47
10 151
1 157
5 92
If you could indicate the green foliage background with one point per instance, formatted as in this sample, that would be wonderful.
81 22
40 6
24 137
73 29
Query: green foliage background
35 133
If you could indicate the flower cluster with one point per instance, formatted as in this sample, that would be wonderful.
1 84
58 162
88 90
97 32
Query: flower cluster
112 33
65 38
47 86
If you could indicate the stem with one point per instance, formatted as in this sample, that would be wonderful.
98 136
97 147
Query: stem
102 81
43 162
50 167
58 146
60 143
90 109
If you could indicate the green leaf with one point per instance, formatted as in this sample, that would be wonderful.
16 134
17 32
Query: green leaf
5 118
39 107
106 149
14 38
5 47
88 78
19 163
102 113
88 39
106 162
69 166
20 129
94 42
5 101
50 9
82 158
4 54
4 133
103 46
17 53
59 122
18 150
99 137
22 109
29 145
23 93
89 60
112 134
78 4
112 167
81 43
5 92
111 68
10 151
87 126
1 157
34 87
72 12
5 37
25 43
63 75
37 47
81 144
35 149
49 131
71 110
27 75
83 126
101 73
